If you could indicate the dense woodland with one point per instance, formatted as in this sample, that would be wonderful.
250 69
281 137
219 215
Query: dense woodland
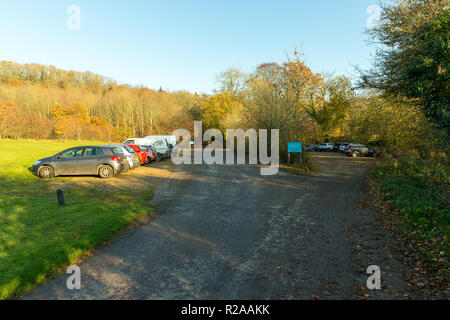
43 102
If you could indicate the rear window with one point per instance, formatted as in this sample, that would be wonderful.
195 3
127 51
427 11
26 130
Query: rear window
129 142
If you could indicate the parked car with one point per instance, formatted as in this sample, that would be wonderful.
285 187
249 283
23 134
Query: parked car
174 150
131 156
159 143
169 138
360 151
336 146
142 155
350 145
312 147
171 149
343 145
326 147
158 155
85 160
151 155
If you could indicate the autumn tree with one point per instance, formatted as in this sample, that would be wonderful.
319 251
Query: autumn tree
413 57
232 80
216 110
8 115
70 120
337 106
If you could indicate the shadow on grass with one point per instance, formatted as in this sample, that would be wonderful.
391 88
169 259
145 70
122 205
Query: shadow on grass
39 238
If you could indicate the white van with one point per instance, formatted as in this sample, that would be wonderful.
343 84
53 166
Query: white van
159 143
170 139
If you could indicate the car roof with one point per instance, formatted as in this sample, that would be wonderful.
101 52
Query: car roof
85 147
110 145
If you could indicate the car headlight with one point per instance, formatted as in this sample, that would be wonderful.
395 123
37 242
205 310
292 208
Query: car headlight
37 163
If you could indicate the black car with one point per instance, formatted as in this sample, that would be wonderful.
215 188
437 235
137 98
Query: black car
360 151
86 160
336 146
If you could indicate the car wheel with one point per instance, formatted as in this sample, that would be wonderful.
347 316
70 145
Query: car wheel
158 157
46 172
105 172
355 154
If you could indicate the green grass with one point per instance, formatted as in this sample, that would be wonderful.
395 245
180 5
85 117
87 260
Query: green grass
420 190
38 238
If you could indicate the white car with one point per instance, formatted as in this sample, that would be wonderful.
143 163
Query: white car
326 147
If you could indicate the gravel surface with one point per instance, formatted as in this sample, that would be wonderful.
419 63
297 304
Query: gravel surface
226 232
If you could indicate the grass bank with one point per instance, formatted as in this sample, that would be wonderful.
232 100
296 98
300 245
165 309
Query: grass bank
419 191
38 238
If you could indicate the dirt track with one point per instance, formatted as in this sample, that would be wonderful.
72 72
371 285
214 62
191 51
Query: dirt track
225 232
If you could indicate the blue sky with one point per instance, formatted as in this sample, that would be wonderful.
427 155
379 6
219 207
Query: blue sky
184 44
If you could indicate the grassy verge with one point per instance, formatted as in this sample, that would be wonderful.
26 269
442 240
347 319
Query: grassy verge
295 169
38 238
419 192
300 167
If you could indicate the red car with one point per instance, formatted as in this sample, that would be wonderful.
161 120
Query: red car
142 155
152 155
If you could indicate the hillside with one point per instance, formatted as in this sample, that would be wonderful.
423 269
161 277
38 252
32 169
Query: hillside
43 102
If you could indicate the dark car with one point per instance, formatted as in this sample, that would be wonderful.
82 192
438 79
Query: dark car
171 146
312 147
86 160
158 155
336 146
352 144
360 151
343 146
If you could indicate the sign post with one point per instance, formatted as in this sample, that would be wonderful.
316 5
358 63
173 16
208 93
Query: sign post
294 147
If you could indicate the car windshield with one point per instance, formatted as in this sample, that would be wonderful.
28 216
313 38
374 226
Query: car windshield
142 148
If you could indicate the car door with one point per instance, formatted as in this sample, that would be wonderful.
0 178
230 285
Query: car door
67 162
90 160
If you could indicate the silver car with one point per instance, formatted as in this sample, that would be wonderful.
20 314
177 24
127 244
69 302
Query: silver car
131 156
85 160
